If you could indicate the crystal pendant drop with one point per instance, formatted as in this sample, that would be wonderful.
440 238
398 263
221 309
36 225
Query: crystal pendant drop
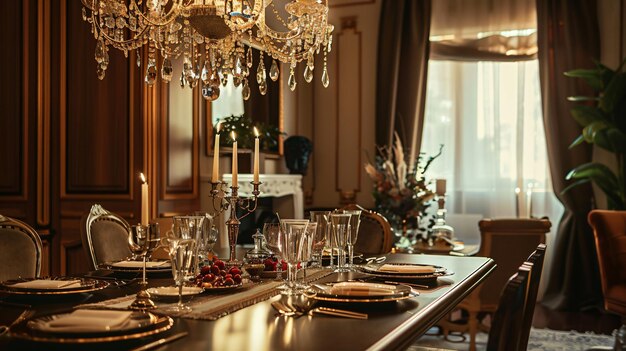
260 73
138 59
245 91
274 72
224 77
100 72
100 51
263 87
236 79
205 77
249 58
182 80
210 92
215 78
167 70
151 72
292 81
308 74
325 79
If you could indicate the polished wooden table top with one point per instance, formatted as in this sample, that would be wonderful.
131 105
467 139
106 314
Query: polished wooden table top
257 327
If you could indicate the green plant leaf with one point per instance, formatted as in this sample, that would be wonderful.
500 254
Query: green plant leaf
584 114
590 131
611 139
593 77
575 184
614 94
583 98
597 172
579 140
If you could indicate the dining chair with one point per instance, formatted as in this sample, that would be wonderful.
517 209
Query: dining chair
105 236
507 242
375 235
535 261
609 230
508 320
20 250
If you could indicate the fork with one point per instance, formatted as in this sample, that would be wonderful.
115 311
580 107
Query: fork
23 316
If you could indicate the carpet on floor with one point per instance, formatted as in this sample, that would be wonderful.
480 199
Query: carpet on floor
539 340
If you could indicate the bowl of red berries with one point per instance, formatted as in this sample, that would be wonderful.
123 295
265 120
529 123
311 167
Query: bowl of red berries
215 276
273 267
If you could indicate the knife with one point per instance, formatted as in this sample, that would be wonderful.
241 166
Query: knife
157 343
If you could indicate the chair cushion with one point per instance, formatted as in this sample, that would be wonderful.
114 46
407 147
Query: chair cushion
18 255
109 240
371 236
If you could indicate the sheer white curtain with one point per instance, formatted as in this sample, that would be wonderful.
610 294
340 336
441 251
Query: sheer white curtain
488 116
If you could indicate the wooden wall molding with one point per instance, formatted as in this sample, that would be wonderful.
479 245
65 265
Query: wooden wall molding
65 195
43 113
344 154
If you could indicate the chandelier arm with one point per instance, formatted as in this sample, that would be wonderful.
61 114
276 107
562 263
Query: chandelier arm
175 11
135 40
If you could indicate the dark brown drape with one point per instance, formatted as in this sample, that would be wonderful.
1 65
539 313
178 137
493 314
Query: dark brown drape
403 49
568 38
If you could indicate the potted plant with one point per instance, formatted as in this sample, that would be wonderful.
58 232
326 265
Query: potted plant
243 128
603 118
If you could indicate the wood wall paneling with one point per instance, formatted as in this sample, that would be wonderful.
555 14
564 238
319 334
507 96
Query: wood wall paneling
349 150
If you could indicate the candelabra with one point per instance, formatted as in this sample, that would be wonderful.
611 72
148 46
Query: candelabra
233 202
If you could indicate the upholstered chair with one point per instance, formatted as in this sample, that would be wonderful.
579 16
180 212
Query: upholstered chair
104 236
375 236
20 250
508 242
609 230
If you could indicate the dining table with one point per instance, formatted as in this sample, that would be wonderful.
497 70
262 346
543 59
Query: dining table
258 326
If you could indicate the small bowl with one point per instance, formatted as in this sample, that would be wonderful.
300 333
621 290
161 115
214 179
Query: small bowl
254 269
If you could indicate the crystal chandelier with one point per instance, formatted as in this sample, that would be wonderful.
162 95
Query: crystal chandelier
214 37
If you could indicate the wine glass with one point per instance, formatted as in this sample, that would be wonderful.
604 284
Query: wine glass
182 252
190 227
321 238
291 235
355 222
271 232
207 237
142 240
341 230
306 252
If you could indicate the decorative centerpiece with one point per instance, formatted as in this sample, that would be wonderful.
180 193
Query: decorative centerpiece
400 192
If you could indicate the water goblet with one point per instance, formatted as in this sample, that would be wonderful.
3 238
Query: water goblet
306 252
341 228
321 239
181 252
291 234
142 240
271 232
207 238
355 222
190 227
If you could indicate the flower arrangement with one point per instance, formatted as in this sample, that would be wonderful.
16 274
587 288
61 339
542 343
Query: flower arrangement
400 192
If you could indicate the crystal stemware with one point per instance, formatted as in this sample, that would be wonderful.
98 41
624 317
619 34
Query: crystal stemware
271 232
306 251
207 236
321 239
142 240
341 228
355 222
182 252
291 234
190 227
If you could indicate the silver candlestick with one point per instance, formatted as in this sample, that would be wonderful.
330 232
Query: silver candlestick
221 202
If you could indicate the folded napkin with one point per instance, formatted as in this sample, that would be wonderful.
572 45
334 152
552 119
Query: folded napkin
88 321
48 284
362 289
139 264
394 268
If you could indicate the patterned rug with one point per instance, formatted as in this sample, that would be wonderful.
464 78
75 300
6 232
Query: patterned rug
540 340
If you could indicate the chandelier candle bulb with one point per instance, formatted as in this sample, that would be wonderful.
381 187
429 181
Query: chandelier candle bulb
145 209
234 171
256 156
216 155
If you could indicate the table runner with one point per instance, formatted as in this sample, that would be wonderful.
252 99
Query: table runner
211 306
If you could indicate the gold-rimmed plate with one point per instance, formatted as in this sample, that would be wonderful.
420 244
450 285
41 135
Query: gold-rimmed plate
374 269
125 266
82 285
359 292
139 325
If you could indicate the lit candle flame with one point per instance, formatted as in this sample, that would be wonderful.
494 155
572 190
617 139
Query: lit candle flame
256 132
233 135
143 178
517 190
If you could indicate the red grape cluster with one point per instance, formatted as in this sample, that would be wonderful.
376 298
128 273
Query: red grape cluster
215 275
